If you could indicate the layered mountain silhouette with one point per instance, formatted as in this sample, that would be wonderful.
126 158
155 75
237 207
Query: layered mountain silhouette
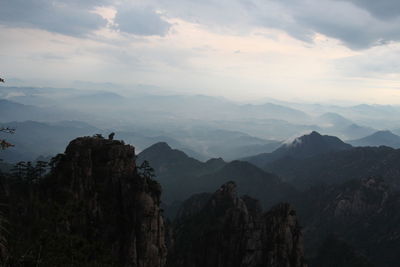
182 176
340 166
380 138
302 147
337 125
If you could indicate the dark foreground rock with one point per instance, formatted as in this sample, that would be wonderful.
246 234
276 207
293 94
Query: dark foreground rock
94 209
223 230
97 208
356 223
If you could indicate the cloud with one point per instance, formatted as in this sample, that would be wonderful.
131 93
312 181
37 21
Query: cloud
66 17
141 21
384 9
378 62
354 27
358 24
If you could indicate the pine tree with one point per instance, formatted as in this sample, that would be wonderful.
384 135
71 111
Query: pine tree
54 161
19 170
146 170
41 168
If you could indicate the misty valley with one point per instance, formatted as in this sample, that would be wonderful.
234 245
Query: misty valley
96 178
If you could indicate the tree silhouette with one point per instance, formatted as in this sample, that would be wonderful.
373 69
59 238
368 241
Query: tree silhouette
19 170
28 172
40 168
146 170
55 160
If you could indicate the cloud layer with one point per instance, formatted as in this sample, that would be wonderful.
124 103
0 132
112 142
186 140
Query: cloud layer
65 17
247 48
358 24
141 21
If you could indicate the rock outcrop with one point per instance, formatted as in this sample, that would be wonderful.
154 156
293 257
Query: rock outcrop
228 231
115 205
97 208
361 215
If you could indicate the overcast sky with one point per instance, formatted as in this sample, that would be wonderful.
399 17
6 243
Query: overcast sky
313 50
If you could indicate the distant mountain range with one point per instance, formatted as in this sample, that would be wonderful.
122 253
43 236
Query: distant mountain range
33 139
302 147
340 166
271 120
202 126
380 138
337 125
309 160
182 176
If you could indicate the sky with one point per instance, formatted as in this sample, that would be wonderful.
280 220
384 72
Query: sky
298 50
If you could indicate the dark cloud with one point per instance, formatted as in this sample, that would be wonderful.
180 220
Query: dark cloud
384 9
71 18
358 24
349 23
141 21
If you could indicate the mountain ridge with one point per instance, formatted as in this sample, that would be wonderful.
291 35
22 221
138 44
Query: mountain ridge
379 138
302 147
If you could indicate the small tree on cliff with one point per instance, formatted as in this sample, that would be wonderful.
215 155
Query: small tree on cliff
146 170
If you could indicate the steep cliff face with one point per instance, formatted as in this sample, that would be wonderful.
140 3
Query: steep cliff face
110 203
230 231
283 245
361 215
96 208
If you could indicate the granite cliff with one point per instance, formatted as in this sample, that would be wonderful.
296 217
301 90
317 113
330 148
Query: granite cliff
361 215
223 229
94 209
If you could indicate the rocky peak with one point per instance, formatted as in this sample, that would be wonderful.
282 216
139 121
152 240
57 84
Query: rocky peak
285 240
118 207
363 197
232 231
215 163
379 138
310 145
225 194
161 146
